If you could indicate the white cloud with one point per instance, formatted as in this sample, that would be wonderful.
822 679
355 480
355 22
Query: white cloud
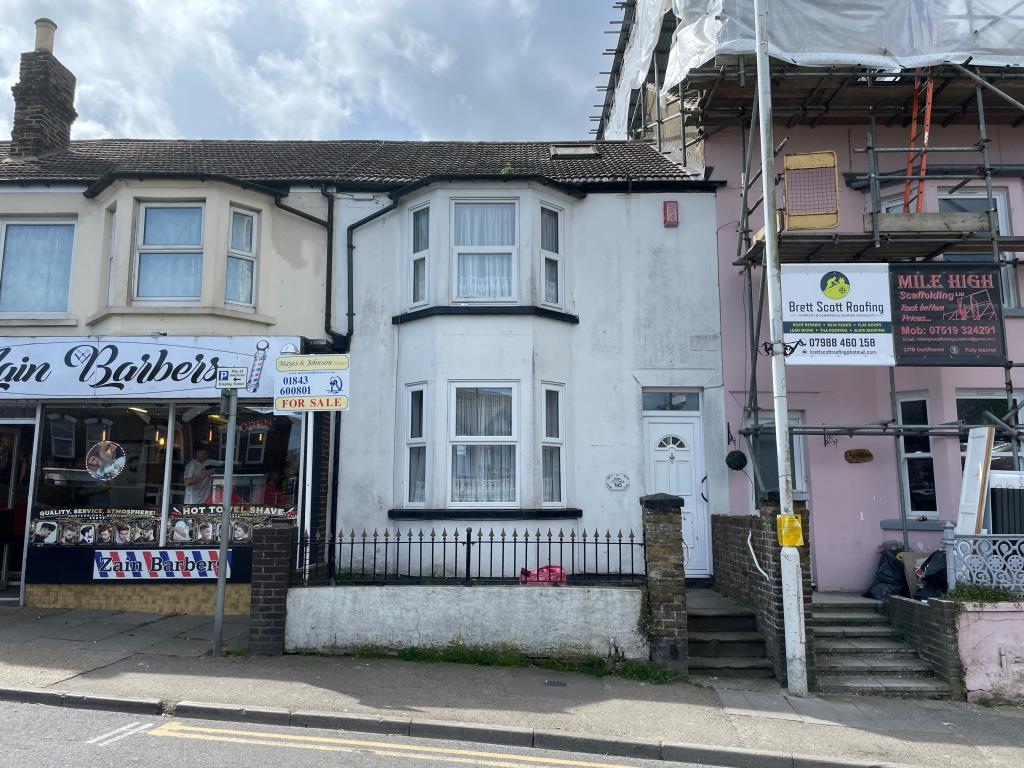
480 69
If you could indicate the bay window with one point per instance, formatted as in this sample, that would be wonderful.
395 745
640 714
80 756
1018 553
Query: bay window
169 251
36 266
483 437
241 267
416 448
550 256
420 255
552 447
485 249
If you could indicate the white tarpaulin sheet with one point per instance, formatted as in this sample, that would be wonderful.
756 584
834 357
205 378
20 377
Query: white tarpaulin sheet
636 60
881 34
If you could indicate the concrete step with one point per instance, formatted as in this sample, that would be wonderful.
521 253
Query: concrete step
863 646
853 632
730 666
847 618
887 666
710 644
899 687
851 603
734 618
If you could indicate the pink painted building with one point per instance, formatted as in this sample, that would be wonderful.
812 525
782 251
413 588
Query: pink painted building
826 102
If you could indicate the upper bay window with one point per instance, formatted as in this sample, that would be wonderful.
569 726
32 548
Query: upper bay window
420 255
241 267
485 251
169 261
551 256
36 266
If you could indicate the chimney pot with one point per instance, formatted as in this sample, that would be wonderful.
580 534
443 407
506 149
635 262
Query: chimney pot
45 29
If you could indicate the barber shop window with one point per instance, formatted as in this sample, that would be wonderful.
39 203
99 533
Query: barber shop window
107 473
169 251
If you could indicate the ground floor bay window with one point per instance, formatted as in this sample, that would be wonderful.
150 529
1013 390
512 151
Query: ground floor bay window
483 439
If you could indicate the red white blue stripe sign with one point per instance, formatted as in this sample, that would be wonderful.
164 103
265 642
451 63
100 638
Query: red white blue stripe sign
129 564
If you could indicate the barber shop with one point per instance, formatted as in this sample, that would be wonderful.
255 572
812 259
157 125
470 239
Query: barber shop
112 467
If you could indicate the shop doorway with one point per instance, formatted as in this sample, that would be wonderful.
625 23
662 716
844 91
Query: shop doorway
16 442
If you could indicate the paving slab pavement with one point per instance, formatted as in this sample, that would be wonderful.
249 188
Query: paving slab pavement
714 713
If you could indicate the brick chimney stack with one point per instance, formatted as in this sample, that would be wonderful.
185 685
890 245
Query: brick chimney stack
44 99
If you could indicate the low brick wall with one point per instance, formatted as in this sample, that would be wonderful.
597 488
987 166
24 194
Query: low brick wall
169 597
930 627
737 577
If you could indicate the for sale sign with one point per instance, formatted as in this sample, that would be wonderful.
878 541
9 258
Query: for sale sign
949 314
837 314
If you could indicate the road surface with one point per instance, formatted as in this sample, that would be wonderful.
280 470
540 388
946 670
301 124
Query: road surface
39 736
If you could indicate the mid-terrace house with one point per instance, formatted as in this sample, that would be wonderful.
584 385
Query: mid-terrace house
533 330
896 132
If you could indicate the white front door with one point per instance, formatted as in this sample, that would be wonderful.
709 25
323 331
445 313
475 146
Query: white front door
675 464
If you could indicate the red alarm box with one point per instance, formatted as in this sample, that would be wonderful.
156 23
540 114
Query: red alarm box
670 209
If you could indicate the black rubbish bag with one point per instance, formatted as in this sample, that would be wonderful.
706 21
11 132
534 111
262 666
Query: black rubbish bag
889 578
933 576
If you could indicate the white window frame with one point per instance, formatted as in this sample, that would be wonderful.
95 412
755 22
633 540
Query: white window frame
458 249
110 223
553 442
670 390
415 256
1007 272
558 258
4 223
140 231
988 394
801 488
456 440
415 442
252 256
904 397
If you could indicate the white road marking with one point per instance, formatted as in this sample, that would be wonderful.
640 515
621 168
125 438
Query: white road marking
94 739
131 732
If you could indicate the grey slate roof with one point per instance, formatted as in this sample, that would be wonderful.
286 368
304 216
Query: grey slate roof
385 164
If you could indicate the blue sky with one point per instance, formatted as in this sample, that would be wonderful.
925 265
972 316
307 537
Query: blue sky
318 69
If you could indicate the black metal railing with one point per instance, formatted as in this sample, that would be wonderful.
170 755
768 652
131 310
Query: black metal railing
465 556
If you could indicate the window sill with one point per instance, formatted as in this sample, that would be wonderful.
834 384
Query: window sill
1013 311
163 309
486 309
931 524
488 513
22 320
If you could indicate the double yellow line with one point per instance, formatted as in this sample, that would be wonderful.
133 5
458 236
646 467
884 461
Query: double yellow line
174 729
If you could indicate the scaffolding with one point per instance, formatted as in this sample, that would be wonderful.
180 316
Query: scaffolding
722 94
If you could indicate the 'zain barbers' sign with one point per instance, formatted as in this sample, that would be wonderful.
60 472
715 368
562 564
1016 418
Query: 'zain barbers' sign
135 366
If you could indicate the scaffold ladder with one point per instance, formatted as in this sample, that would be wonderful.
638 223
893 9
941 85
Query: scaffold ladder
917 149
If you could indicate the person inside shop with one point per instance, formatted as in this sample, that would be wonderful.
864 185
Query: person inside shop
274 496
199 476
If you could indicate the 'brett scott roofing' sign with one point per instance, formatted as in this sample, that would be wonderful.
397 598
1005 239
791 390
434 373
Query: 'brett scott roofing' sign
947 315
